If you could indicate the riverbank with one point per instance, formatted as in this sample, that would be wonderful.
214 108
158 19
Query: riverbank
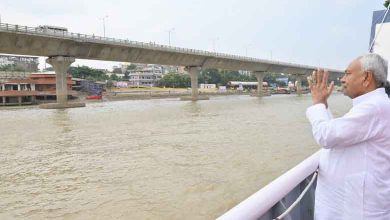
144 94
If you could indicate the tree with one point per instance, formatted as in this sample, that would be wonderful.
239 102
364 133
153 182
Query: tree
386 4
126 76
85 72
175 80
109 84
210 76
114 77
131 67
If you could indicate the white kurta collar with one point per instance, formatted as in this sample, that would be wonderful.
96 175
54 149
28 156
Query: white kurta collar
368 96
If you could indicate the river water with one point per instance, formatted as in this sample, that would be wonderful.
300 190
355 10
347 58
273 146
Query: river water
149 159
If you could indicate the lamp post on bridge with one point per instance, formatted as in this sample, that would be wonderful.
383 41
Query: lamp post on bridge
246 49
214 42
169 35
104 24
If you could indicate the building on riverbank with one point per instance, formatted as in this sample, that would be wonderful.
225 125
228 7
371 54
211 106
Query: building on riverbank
145 76
36 88
24 63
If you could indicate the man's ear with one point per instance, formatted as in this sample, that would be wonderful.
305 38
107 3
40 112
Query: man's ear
370 79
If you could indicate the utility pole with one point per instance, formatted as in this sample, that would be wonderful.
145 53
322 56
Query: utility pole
246 49
214 40
169 35
104 24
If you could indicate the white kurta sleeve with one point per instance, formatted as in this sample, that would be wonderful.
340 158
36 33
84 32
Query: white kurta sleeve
330 115
358 125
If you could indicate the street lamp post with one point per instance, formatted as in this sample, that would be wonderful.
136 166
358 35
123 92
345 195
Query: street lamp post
246 49
104 25
214 40
169 35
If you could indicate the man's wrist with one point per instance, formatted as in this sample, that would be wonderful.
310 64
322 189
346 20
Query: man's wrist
321 102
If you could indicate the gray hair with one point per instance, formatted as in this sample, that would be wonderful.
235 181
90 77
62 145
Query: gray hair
377 65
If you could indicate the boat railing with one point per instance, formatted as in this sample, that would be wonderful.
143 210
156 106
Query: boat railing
270 201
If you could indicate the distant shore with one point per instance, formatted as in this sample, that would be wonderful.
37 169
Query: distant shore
115 96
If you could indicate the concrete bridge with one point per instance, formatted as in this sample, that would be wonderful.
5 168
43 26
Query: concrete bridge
63 47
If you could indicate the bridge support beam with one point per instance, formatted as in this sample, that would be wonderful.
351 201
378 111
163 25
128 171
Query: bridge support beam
194 72
61 65
299 85
259 76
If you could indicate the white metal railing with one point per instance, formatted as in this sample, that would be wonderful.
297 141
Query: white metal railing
5 27
259 203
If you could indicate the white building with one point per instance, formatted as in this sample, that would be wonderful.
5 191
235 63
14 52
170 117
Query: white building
145 75
208 86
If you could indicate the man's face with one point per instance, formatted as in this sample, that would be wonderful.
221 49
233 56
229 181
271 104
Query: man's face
353 80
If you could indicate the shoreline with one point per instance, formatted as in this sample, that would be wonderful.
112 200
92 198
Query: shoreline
123 96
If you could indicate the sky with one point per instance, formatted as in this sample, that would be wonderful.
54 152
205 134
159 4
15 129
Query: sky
327 33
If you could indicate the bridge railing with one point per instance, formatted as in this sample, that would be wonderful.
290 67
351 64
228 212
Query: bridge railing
99 39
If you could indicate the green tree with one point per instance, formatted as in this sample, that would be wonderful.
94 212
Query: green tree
114 77
127 75
131 67
386 4
210 76
109 84
174 80
85 72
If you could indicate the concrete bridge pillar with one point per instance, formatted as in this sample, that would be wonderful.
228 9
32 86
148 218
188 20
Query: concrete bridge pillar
194 72
299 85
259 76
61 65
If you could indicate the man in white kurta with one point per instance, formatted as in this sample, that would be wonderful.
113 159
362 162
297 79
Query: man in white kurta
354 167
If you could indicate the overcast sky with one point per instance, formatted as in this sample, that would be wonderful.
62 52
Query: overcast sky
314 32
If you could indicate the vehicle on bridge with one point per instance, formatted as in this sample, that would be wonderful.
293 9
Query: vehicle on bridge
245 85
52 29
